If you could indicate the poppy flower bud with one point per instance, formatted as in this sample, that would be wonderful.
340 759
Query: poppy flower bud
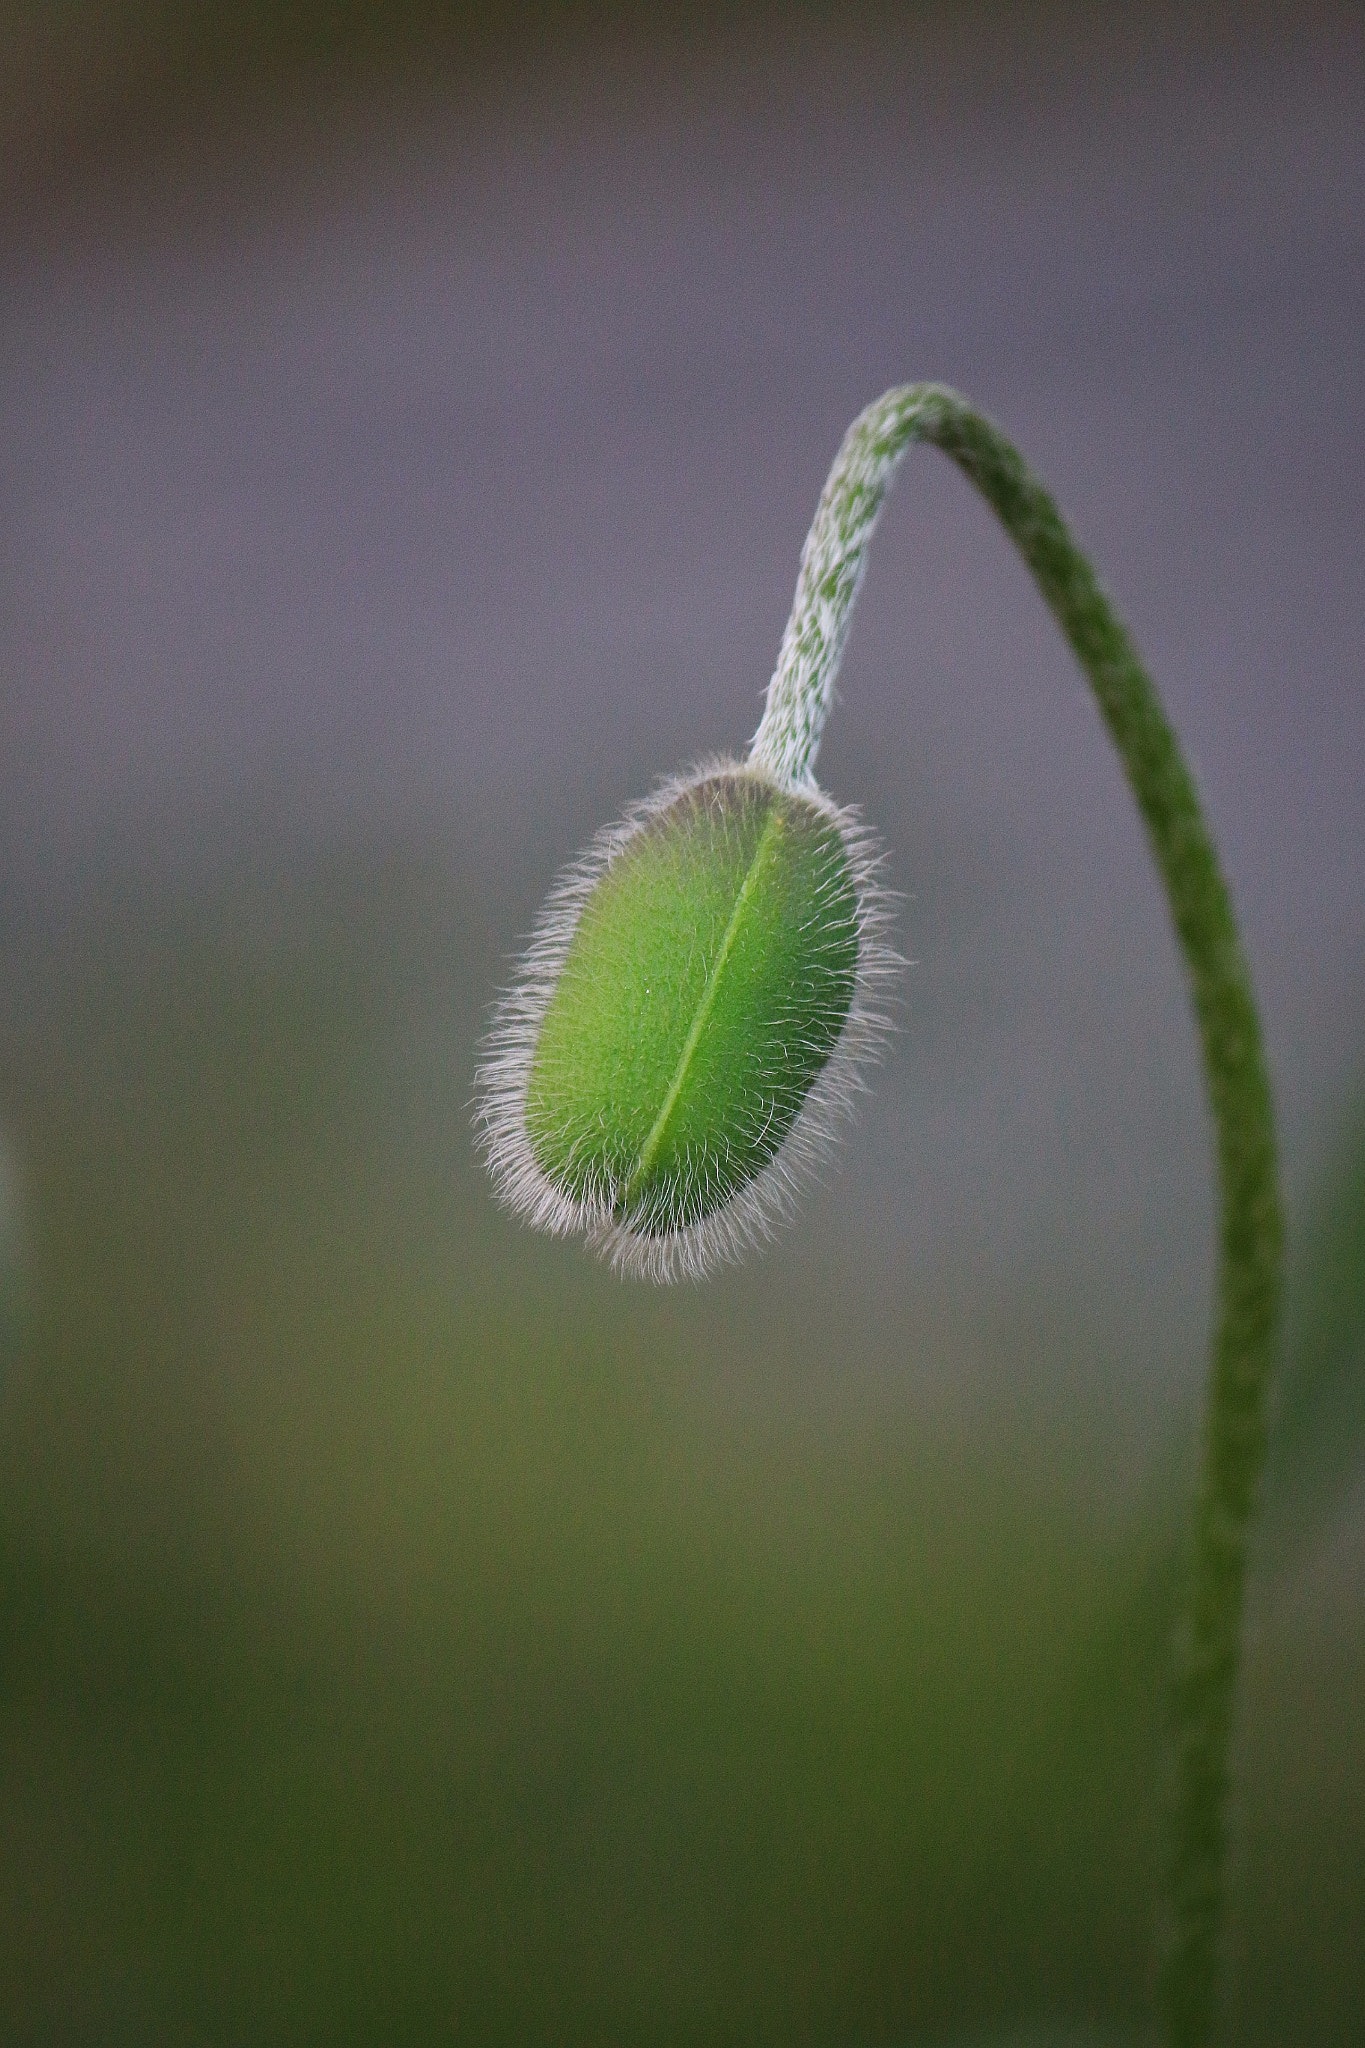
689 1022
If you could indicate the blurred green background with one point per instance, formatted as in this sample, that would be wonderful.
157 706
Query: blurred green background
408 423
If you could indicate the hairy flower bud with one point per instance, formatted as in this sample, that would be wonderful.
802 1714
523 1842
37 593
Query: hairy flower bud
689 1021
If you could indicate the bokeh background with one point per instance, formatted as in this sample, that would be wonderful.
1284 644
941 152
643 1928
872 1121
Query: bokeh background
409 421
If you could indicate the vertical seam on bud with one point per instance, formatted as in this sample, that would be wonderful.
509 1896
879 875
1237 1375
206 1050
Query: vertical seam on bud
649 1150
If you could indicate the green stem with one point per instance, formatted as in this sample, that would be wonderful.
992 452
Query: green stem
1250 1228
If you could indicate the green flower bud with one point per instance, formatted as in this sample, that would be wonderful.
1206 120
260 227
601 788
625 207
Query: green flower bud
689 1022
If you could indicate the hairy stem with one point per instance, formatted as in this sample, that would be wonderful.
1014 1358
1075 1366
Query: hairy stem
1250 1227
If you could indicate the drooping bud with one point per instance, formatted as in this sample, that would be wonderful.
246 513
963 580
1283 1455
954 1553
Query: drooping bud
689 1021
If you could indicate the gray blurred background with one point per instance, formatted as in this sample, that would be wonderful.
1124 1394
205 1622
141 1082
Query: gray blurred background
409 423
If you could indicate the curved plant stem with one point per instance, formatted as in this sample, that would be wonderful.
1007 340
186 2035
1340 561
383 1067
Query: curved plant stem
1250 1228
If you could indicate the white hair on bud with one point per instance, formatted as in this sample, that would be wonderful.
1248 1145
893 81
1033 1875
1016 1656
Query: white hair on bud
756 1210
